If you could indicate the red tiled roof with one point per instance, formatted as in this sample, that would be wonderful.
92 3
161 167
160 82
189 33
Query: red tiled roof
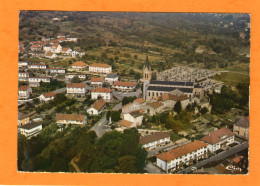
73 117
35 46
76 85
104 90
99 104
139 100
124 84
99 65
49 94
65 49
180 151
79 63
125 123
218 135
94 79
23 88
155 104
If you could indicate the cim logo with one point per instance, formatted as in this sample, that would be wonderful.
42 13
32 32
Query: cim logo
233 168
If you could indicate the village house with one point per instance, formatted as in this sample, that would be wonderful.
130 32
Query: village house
76 53
76 89
36 48
23 119
241 127
97 81
153 108
22 64
183 155
218 139
60 36
35 81
37 66
60 40
79 66
66 51
70 76
124 124
105 93
170 99
47 48
71 38
56 48
50 55
56 70
100 68
23 76
135 105
124 86
155 140
97 107
24 92
30 129
47 96
74 119
111 78
136 117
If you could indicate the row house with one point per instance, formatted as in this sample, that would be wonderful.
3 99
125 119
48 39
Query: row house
105 93
79 66
97 82
23 76
76 89
74 119
22 119
218 139
30 129
24 92
138 103
35 81
56 70
155 140
97 107
111 78
70 76
241 127
183 155
100 68
37 66
124 86
22 64
47 96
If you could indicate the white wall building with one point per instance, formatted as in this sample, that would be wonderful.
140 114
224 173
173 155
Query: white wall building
80 76
76 89
155 140
37 66
100 68
136 117
124 86
73 119
24 92
104 93
111 78
47 96
30 129
56 70
97 107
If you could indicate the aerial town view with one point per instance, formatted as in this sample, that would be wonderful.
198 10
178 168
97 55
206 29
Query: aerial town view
129 92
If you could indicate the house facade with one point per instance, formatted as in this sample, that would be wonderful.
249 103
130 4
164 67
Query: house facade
74 119
97 107
23 76
23 119
76 89
100 68
24 92
37 66
105 93
79 66
70 76
111 78
241 127
56 70
35 81
97 82
30 129
155 140
124 86
136 117
47 96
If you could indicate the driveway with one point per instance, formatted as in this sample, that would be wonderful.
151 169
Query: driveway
100 127
152 169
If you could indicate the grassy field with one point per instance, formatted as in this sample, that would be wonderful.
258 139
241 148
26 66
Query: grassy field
233 78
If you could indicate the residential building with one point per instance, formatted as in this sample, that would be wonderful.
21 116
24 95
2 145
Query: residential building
76 89
23 76
183 155
100 68
218 139
73 119
47 96
56 70
137 104
23 119
35 81
241 127
155 140
71 38
56 48
153 108
124 86
105 93
37 66
136 117
50 55
70 76
22 64
35 48
30 129
24 92
111 78
66 51
60 36
97 82
79 66
97 107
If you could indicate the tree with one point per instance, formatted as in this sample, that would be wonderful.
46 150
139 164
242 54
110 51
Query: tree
131 72
75 79
126 164
154 76
204 110
138 75
127 100
177 107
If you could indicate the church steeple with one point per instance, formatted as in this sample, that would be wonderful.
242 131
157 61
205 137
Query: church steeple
147 69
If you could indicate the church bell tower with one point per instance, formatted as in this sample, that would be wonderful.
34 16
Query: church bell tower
147 74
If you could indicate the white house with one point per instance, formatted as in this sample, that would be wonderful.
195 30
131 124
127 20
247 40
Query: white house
66 51
155 140
97 82
47 48
105 93
22 64
183 155
56 70
56 48
100 68
136 117
24 92
218 139
70 76
71 38
73 119
50 55
111 78
97 107
30 129
60 36
76 89
47 96
79 66
23 76
35 81
37 66
124 86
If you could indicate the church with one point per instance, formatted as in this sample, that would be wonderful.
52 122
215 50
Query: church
152 89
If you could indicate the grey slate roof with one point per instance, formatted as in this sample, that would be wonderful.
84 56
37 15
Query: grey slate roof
169 89
243 122
182 83
30 125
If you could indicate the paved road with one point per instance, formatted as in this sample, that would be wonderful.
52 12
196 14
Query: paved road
220 156
60 90
121 95
151 168
99 127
